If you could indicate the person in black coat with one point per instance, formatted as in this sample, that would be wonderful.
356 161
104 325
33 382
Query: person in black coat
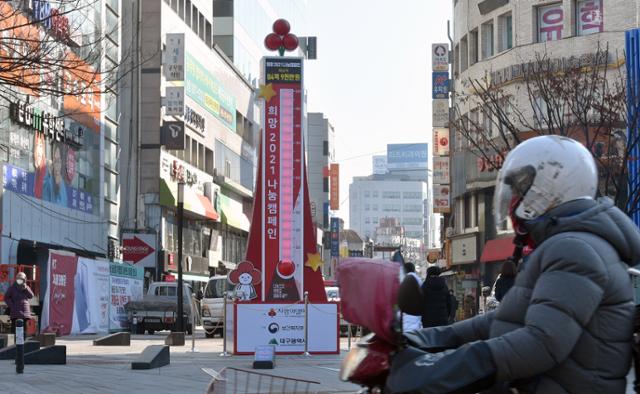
437 301
505 280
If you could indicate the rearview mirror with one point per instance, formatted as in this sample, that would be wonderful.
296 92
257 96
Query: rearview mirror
410 296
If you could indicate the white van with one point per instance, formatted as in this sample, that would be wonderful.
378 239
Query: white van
212 305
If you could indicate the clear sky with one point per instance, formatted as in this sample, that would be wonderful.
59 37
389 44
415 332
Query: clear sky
372 78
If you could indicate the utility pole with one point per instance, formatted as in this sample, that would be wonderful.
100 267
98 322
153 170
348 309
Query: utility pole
180 325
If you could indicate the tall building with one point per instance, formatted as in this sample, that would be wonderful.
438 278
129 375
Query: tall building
240 26
320 154
498 40
376 197
212 149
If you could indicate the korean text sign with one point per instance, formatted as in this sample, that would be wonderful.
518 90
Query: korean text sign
282 181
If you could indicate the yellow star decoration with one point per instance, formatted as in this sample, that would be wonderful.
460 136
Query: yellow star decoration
314 261
266 92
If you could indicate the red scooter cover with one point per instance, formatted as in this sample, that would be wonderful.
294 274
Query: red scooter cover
368 293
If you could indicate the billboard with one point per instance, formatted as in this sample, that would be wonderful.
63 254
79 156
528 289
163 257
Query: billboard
440 85
440 109
334 182
441 199
282 182
441 174
402 156
440 57
380 164
440 142
208 92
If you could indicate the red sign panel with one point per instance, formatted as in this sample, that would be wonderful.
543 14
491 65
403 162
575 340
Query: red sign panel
282 182
135 249
334 198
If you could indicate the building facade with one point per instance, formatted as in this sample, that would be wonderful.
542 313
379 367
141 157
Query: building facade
320 147
493 42
60 137
213 150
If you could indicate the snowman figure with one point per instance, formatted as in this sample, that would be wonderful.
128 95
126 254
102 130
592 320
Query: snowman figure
245 277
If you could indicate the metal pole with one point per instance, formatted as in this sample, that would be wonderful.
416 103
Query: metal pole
306 323
19 340
224 327
193 331
180 325
349 336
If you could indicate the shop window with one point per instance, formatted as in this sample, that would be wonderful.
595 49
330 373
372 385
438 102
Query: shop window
589 17
550 22
464 54
325 185
473 47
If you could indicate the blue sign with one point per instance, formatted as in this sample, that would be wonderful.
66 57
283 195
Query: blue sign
440 85
19 181
407 156
633 128
335 237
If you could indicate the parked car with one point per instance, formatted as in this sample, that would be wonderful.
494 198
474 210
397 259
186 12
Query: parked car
213 303
158 309
333 295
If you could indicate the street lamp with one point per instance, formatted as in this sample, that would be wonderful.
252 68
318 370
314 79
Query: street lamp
180 286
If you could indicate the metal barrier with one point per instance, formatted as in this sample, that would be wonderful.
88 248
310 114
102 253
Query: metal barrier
241 381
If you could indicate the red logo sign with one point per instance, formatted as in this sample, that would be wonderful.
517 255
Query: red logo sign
135 249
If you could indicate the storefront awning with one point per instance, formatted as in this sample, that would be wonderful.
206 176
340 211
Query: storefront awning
193 202
232 213
195 278
497 250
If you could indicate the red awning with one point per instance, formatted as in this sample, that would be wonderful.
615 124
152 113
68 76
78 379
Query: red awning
209 211
497 250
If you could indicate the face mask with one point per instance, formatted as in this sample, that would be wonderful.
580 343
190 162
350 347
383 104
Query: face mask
20 281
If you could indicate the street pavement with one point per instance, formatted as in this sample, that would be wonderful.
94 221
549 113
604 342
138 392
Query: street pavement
107 369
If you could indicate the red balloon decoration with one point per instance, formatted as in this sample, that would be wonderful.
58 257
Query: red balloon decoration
290 42
281 27
273 41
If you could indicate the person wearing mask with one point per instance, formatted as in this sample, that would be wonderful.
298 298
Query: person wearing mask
506 279
411 322
454 307
17 299
566 325
436 299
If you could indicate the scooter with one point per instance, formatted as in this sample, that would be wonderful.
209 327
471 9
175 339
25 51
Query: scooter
374 294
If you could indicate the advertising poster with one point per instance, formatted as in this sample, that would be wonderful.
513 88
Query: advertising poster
59 301
335 237
91 297
441 199
440 85
440 57
440 142
283 327
126 284
550 22
590 16
282 181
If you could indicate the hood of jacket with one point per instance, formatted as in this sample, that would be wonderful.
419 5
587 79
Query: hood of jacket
599 217
435 283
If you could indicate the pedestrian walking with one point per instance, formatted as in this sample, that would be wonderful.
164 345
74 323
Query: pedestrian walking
436 300
506 279
411 322
454 307
17 299
566 325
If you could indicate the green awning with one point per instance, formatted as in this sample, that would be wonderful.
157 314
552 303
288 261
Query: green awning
193 202
232 213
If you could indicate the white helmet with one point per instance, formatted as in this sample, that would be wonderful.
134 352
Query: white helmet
543 173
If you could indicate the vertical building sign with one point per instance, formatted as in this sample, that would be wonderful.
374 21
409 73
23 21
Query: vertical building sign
550 22
590 18
282 181
174 57
334 181
335 237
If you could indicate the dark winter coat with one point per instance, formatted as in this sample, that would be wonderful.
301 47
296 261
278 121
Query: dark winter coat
17 299
503 284
437 302
566 325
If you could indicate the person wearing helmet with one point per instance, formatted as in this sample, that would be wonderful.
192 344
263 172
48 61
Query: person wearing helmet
17 298
566 324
